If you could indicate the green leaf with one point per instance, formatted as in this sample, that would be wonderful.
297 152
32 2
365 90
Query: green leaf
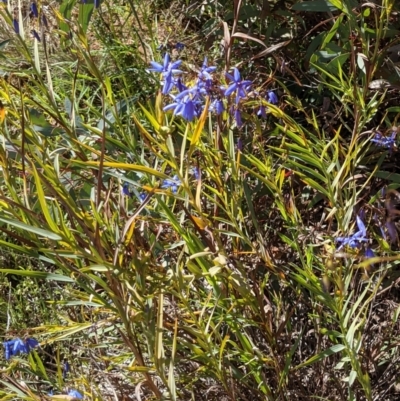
35 230
85 13
3 44
321 6
39 275
66 11
322 355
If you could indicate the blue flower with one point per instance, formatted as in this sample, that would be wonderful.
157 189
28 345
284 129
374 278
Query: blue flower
142 196
237 116
34 10
355 240
172 184
272 97
16 26
262 113
179 46
196 173
385 141
204 77
369 253
241 87
96 3
16 346
125 190
180 85
76 394
66 369
167 69
217 106
186 107
31 343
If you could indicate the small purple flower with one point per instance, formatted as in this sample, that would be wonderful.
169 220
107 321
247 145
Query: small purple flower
217 106
66 369
238 117
185 107
272 97
142 196
262 113
205 74
240 86
385 141
125 190
369 253
354 241
34 9
17 346
180 85
196 173
96 3
31 343
172 184
179 46
167 69
76 394
16 26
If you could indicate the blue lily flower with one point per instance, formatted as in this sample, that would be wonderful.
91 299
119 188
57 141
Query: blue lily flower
167 69
369 253
17 346
272 97
34 9
66 369
31 343
196 173
172 184
185 107
125 190
180 85
385 141
237 116
355 240
217 106
76 394
262 112
238 85
16 26
204 77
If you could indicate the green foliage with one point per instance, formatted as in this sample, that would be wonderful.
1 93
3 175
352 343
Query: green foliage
234 286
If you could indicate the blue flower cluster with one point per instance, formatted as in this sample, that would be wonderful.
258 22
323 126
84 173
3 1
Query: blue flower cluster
189 102
385 141
18 346
356 240
172 183
71 393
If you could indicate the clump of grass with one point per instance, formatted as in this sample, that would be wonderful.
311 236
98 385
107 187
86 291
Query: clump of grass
232 240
